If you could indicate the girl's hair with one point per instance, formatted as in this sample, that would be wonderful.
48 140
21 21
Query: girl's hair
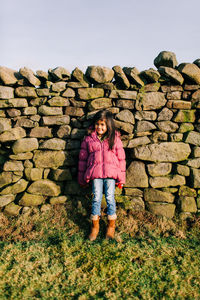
105 115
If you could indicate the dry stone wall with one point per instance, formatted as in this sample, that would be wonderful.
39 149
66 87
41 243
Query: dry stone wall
44 116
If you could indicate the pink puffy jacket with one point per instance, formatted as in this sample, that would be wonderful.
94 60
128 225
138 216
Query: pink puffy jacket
96 160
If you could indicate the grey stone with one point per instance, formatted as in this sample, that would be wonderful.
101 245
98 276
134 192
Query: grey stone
121 78
185 127
146 115
29 75
56 120
193 138
58 200
64 131
25 91
154 195
53 144
150 101
25 145
68 93
15 188
194 163
196 151
29 111
136 175
90 93
159 169
12 209
166 58
172 74
98 74
161 209
74 111
158 136
49 159
13 166
79 76
31 200
58 101
165 115
188 204
176 137
126 116
133 192
133 76
5 124
127 127
33 174
132 95
59 86
167 126
21 156
6 92
41 132
143 126
100 103
8 76
163 152
183 170
151 75
5 178
190 71
129 104
59 73
44 187
144 140
166 181
49 111
43 92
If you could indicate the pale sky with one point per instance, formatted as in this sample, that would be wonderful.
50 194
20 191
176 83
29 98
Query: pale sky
43 34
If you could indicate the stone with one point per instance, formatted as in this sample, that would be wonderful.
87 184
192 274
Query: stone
90 93
41 132
55 120
29 75
161 209
126 115
100 103
33 174
64 131
150 101
6 92
6 199
133 204
5 178
77 85
176 137
197 62
144 140
174 95
59 86
136 175
73 144
150 87
74 111
43 92
15 102
25 145
77 133
171 88
68 93
166 181
31 200
44 187
49 159
53 144
127 127
158 136
185 116
5 124
187 191
12 209
12 112
133 192
98 74
143 126
58 200
38 101
13 166
78 103
24 121
42 75
132 95
166 59
59 73
15 188
8 76
190 71
188 204
193 138
27 111
61 175
163 152
58 101
79 76
194 163
151 75
196 151
179 104
146 115
159 169
121 78
154 195
49 111
133 76
21 156
167 126
25 92
174 75
165 114
129 104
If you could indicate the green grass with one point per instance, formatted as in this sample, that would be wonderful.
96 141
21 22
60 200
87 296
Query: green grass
48 256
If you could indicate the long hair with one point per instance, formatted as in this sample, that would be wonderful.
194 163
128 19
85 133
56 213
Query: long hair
105 115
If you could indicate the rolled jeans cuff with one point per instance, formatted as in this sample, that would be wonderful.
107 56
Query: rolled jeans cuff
94 217
112 217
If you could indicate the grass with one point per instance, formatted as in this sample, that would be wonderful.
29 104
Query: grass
48 256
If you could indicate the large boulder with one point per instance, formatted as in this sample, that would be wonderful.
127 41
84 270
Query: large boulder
44 187
98 74
166 58
136 175
163 152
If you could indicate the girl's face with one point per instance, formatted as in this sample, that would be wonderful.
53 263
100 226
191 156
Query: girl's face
100 127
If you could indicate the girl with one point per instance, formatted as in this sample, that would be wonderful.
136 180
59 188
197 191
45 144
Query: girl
102 161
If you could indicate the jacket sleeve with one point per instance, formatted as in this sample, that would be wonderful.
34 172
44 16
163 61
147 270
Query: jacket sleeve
120 153
82 164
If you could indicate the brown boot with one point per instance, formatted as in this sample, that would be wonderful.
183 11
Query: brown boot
111 229
94 230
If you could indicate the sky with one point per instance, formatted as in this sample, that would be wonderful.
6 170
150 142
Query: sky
43 34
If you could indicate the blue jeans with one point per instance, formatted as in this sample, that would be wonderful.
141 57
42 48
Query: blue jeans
109 189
